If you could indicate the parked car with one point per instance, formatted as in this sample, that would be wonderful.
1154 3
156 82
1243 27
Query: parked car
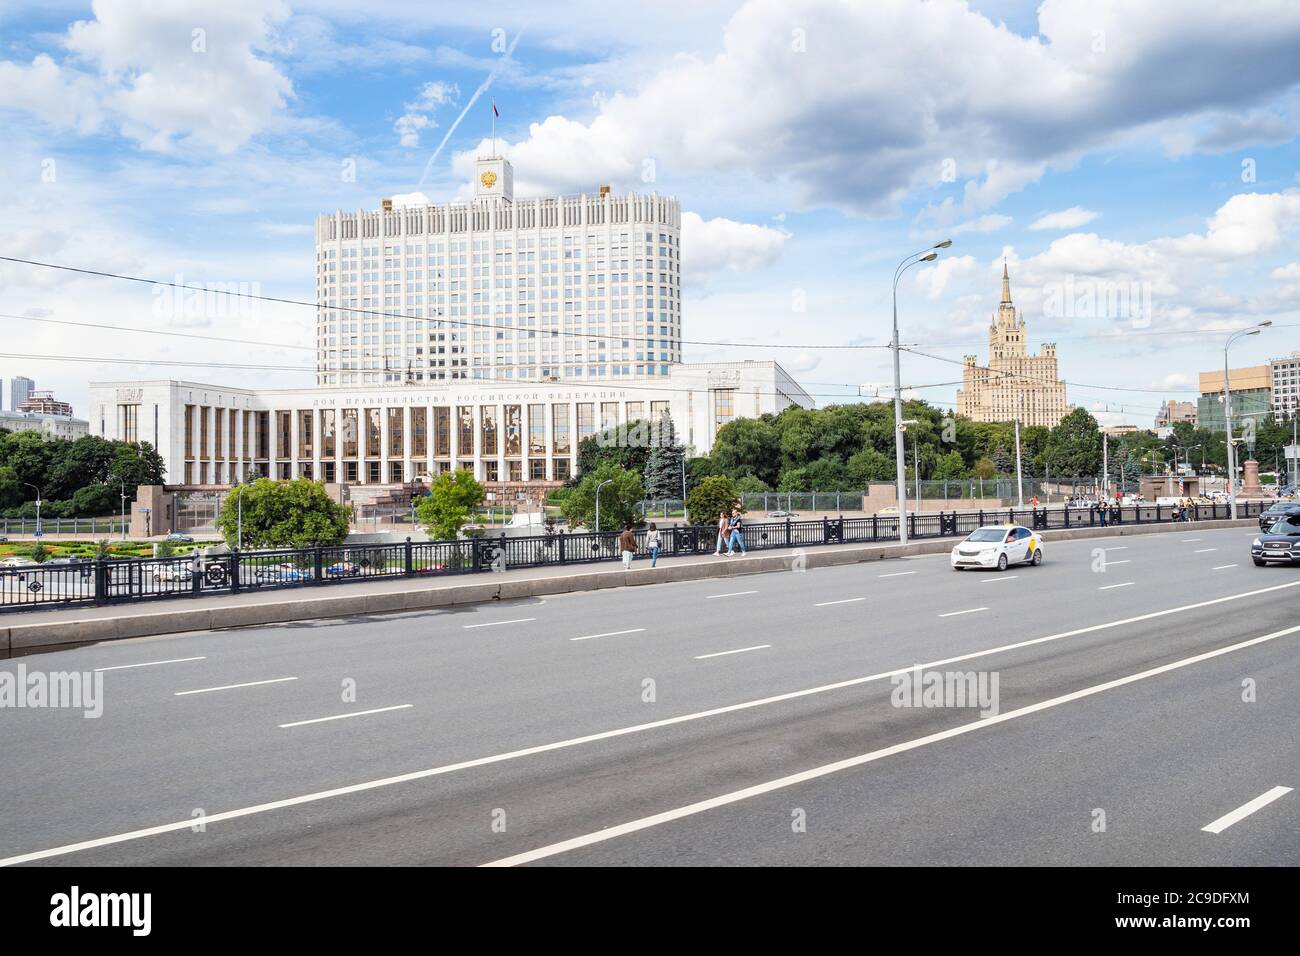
280 574
343 569
182 538
782 514
1277 511
1279 544
172 573
14 563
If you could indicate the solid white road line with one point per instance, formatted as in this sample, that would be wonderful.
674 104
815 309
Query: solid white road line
1189 540
1001 577
845 601
518 620
968 611
1122 547
825 770
188 822
588 637
174 660
1224 567
1245 810
896 574
1107 587
739 650
355 713
254 683
1123 561
710 597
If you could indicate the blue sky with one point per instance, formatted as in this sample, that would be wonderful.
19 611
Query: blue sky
1144 152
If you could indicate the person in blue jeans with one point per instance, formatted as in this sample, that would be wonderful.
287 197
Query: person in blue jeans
652 542
737 535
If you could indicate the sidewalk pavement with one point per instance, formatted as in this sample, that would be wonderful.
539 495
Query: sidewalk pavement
23 631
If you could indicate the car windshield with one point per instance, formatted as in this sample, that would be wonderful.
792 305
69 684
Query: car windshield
1288 525
987 534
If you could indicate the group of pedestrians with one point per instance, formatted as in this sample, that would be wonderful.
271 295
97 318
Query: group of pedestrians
731 534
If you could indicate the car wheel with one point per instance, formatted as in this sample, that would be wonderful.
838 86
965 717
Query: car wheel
1037 557
958 567
1259 563
1002 562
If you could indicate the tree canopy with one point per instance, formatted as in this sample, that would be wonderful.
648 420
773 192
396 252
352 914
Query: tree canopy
283 514
452 502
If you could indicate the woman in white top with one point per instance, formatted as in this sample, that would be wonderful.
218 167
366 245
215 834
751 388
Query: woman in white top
652 542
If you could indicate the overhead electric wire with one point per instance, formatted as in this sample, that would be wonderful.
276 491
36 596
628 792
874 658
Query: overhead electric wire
467 323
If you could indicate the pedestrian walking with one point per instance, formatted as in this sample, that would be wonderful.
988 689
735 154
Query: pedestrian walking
737 533
724 531
652 542
627 544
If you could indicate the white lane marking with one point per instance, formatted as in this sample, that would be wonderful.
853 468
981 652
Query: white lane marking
1124 561
518 620
588 637
825 770
1189 540
896 574
1107 587
1245 810
355 713
174 660
1224 567
253 683
1204 550
188 822
1001 577
1122 547
845 601
968 611
739 650
710 597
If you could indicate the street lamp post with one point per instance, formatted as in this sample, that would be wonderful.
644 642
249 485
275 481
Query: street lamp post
900 465
607 481
123 482
38 507
1227 414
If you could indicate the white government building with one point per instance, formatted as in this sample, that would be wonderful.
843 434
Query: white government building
491 335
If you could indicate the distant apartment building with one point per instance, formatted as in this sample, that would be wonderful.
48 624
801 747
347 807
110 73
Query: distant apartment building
1172 412
1252 396
44 403
1286 385
51 426
20 389
1015 385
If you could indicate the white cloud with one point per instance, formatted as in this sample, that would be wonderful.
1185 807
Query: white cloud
419 112
991 222
1002 107
934 279
162 72
713 245
410 199
1071 218
1289 271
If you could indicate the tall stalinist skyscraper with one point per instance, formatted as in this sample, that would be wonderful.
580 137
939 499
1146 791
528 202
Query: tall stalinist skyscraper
1015 384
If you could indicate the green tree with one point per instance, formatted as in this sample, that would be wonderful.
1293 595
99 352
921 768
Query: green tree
1073 447
870 465
749 446
452 502
284 514
749 485
665 464
627 446
950 467
619 500
711 497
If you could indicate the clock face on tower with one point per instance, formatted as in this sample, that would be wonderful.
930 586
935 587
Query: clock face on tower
488 179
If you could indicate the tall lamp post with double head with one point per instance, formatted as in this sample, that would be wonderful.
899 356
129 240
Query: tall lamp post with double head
607 481
1227 414
900 459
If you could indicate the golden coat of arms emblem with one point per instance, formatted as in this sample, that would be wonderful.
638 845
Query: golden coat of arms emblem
488 179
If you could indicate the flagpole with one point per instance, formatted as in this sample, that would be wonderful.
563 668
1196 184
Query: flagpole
494 127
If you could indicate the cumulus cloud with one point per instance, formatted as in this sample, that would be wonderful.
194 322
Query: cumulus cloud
419 112
713 245
1071 218
999 109
934 280
161 72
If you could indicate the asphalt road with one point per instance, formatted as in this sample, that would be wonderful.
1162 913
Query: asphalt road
748 721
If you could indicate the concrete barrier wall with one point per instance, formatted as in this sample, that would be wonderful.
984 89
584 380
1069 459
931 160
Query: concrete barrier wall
474 590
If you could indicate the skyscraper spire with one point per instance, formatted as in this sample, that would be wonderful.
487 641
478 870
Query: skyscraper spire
1006 284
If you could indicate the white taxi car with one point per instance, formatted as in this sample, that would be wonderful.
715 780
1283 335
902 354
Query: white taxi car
997 546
